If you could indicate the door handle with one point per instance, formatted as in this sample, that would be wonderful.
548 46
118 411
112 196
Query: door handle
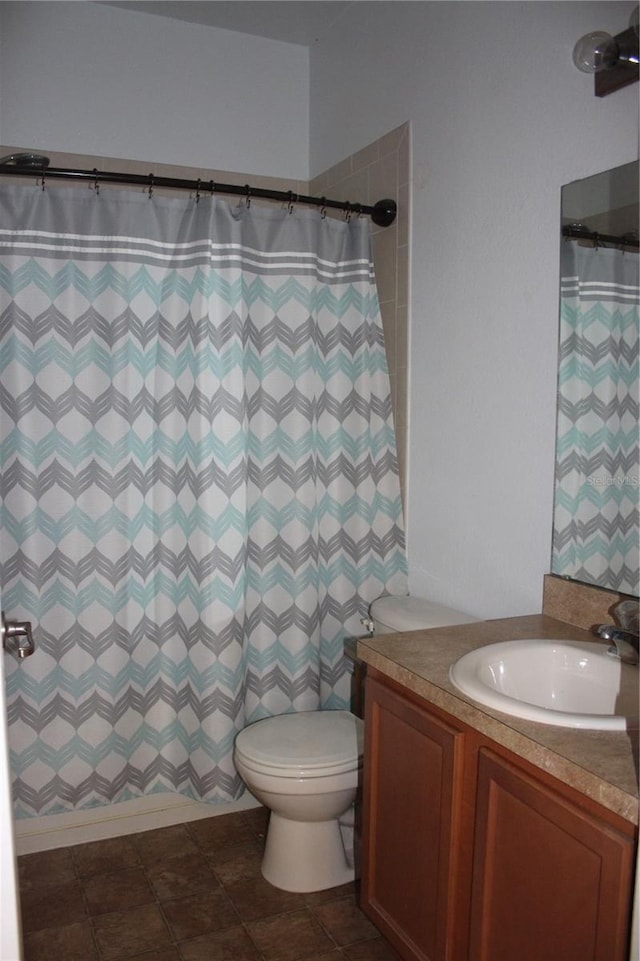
17 638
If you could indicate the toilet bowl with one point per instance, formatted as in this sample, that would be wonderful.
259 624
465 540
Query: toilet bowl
305 768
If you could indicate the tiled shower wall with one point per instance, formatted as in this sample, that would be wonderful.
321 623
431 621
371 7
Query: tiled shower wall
377 172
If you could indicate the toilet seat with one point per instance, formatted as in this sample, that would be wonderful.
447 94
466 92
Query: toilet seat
308 744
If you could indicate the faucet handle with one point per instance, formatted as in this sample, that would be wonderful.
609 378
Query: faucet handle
16 637
627 614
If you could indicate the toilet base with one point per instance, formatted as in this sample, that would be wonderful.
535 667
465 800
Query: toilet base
304 856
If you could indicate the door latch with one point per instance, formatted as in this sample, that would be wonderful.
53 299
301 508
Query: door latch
17 638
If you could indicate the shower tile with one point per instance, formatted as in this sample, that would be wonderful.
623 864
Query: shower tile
200 914
71 942
232 944
255 898
345 922
124 934
53 905
393 140
102 857
367 156
106 893
290 937
182 876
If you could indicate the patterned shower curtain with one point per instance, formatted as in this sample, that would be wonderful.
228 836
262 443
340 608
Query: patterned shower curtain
199 481
596 525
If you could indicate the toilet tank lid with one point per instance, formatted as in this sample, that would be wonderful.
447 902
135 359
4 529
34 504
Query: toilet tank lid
414 613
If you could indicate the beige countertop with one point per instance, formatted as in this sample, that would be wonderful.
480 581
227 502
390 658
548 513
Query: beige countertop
600 764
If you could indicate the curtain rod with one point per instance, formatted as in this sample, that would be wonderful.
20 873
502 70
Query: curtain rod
382 213
579 232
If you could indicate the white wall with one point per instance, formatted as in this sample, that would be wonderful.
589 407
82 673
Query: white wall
500 120
91 79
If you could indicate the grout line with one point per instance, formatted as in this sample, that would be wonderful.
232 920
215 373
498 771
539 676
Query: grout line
256 833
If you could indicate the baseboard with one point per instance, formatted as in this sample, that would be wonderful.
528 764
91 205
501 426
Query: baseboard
116 820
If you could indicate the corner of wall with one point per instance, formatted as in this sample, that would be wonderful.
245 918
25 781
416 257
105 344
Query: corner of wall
378 171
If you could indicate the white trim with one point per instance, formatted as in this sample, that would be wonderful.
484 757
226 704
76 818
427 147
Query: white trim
116 820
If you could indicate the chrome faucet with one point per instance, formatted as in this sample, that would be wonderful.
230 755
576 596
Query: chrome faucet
625 635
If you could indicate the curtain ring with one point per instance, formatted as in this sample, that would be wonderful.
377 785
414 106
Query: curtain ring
323 207
248 196
347 211
290 206
198 191
150 186
96 185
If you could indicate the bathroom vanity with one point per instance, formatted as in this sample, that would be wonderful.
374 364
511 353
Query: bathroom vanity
486 837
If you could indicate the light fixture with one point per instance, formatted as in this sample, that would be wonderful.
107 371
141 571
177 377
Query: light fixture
600 51
613 60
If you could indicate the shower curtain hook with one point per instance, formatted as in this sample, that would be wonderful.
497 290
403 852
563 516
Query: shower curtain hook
290 206
212 187
347 211
198 191
248 196
96 185
150 186
323 207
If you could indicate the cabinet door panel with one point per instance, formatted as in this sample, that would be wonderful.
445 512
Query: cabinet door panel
549 880
410 810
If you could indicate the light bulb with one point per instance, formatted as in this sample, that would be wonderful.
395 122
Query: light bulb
595 51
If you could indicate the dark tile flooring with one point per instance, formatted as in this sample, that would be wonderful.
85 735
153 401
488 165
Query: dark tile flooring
192 892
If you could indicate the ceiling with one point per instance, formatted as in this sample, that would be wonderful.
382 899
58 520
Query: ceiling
292 21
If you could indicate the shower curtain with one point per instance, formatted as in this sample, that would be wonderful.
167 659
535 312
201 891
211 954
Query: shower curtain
199 481
596 525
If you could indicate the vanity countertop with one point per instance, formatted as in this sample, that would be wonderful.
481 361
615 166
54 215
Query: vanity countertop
600 764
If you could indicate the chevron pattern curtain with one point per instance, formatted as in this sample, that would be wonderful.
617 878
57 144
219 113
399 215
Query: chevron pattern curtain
200 492
596 535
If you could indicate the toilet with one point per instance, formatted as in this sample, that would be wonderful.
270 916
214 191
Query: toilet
305 767
391 614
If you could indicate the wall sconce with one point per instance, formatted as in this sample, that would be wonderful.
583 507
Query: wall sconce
613 60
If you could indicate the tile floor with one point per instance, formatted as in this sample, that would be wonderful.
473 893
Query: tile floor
192 892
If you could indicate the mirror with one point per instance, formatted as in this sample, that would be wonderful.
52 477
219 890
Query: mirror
596 532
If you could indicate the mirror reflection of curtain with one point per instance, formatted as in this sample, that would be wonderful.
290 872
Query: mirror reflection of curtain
595 535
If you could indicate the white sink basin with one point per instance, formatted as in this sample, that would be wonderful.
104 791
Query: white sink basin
571 684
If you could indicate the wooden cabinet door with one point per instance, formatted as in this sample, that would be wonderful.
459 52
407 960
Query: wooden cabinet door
413 770
551 881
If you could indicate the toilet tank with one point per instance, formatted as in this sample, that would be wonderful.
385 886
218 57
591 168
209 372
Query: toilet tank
391 614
